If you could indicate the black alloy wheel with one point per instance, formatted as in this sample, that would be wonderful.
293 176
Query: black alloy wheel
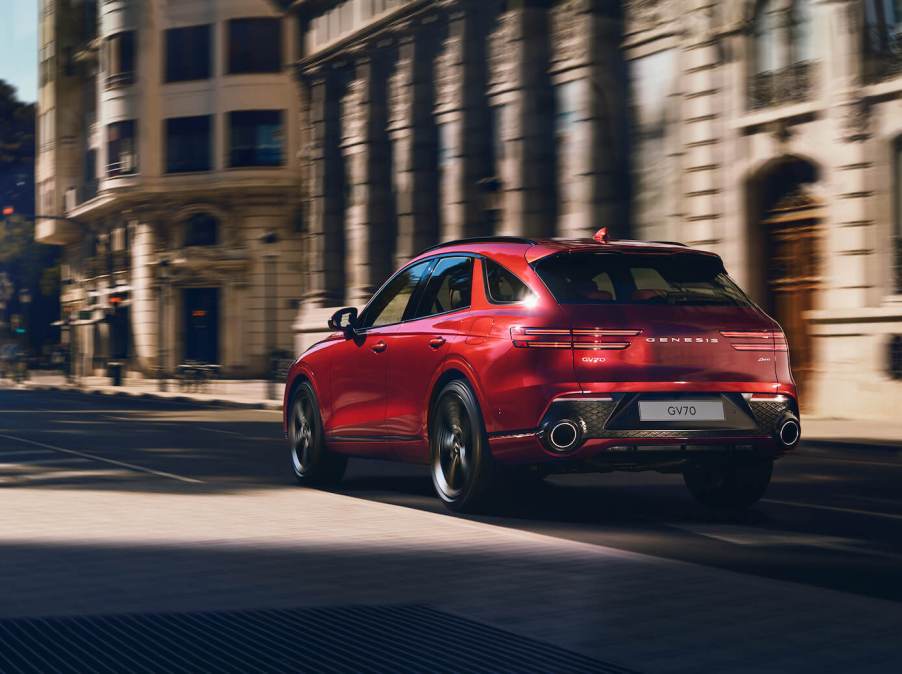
312 462
461 464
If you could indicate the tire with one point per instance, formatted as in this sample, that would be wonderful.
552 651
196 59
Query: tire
313 464
733 485
461 465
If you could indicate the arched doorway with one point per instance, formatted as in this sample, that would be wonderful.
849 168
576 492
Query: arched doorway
790 228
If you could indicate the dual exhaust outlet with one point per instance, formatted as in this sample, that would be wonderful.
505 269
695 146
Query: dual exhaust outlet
788 431
565 435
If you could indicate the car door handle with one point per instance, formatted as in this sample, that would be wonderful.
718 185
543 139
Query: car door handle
436 342
379 347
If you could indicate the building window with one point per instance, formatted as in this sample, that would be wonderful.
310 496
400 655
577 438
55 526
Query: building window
119 57
255 138
122 148
255 46
188 53
801 28
48 63
783 53
47 128
201 229
766 38
188 144
883 38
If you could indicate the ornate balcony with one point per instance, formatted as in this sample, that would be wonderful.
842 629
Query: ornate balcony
792 84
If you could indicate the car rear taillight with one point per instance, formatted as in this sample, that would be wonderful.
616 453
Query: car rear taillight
756 340
547 338
594 339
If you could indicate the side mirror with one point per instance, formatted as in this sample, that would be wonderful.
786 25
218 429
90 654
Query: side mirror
344 320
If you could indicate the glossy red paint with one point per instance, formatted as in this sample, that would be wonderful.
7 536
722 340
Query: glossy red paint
375 388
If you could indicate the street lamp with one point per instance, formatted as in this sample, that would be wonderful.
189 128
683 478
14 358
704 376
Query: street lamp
162 287
269 240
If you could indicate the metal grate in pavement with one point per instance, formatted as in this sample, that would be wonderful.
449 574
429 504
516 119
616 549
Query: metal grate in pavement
330 639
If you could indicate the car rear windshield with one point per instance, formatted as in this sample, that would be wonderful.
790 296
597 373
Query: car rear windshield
634 278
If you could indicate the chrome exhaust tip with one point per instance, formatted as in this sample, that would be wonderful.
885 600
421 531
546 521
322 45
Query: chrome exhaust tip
563 435
789 431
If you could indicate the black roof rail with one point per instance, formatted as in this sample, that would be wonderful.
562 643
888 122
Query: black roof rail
671 243
480 239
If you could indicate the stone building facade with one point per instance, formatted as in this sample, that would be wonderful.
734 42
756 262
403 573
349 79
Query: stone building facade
168 138
769 131
425 121
765 130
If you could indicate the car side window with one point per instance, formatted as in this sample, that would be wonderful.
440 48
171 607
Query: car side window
501 285
390 305
449 287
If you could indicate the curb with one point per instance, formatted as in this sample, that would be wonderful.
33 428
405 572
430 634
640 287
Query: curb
853 443
146 395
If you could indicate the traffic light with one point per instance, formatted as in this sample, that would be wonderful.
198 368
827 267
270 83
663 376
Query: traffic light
8 210
20 331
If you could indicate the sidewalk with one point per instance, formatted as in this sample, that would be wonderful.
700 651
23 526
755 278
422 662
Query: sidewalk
83 553
252 393
227 392
865 433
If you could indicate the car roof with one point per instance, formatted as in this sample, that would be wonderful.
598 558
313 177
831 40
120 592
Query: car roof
536 248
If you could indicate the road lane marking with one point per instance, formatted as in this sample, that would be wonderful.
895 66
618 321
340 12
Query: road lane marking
855 461
43 462
739 535
132 466
852 511
25 452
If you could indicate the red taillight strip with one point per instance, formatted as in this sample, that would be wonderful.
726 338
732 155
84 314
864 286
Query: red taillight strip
747 335
599 332
778 343
542 331
587 339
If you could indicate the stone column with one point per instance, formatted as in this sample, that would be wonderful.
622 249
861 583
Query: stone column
450 112
703 128
414 141
463 118
850 258
587 71
521 95
325 193
144 295
366 153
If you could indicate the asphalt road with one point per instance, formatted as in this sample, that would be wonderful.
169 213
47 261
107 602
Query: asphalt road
832 517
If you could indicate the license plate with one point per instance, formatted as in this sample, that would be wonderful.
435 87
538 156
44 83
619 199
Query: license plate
681 410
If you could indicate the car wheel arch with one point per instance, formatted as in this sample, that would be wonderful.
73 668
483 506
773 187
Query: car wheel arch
300 375
451 373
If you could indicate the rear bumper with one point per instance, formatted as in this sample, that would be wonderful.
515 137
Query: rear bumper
608 428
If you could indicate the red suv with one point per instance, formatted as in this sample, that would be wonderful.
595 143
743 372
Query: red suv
510 356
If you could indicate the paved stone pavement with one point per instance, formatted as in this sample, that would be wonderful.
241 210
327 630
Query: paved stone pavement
76 552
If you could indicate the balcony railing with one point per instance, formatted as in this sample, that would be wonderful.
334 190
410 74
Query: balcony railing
793 84
75 196
127 165
883 59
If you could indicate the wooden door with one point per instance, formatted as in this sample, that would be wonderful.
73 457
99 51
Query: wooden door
794 277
